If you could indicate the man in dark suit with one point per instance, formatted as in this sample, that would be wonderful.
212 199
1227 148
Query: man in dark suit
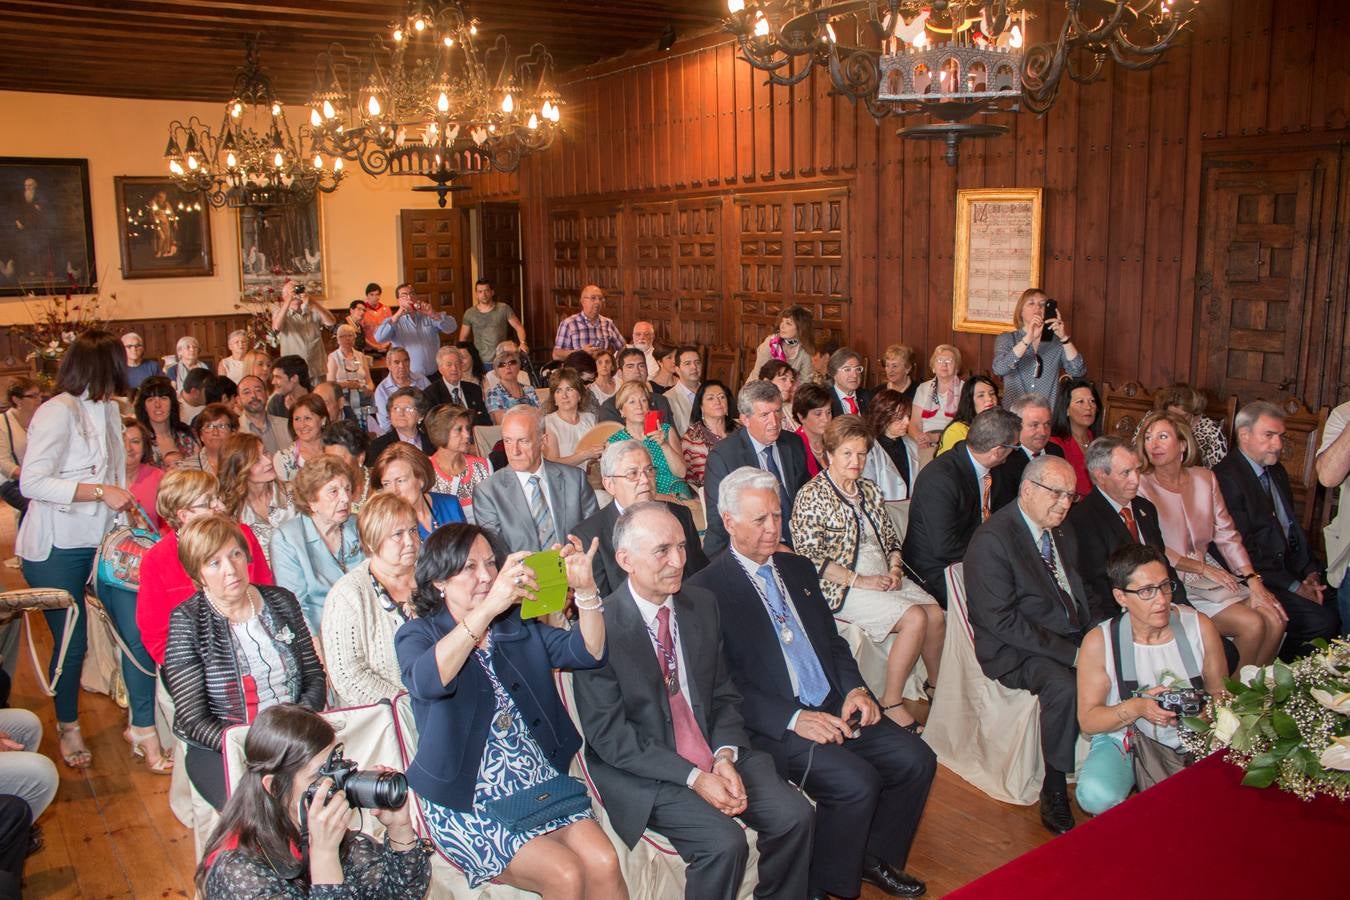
1034 411
1110 516
953 494
626 469
1256 490
533 503
447 386
632 363
806 705
1028 609
665 741
847 396
762 443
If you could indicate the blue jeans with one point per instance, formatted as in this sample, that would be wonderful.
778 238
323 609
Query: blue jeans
67 569
121 605
1107 776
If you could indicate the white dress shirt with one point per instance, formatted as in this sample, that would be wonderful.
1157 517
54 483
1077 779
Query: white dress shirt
524 479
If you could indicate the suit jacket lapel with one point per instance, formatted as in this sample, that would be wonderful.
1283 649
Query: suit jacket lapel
1114 522
754 617
633 642
608 516
693 644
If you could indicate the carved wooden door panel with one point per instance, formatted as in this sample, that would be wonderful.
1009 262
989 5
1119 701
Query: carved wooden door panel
1257 255
698 274
653 268
502 261
435 246
600 259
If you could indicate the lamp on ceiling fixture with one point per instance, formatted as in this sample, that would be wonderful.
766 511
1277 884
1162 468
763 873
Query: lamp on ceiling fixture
255 159
950 59
429 102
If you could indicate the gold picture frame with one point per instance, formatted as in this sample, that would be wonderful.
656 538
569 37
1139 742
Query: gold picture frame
998 256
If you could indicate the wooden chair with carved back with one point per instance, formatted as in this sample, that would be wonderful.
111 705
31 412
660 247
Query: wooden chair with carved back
1124 408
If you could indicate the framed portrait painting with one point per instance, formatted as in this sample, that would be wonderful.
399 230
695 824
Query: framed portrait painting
46 229
280 242
164 232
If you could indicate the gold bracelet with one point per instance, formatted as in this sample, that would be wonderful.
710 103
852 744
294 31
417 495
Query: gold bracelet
476 637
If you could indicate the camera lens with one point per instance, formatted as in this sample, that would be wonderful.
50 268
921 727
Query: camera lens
370 789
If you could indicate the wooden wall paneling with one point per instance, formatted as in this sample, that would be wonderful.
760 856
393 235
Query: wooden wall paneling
661 133
1087 304
819 257
761 260
824 121
502 261
912 238
566 271
781 97
691 117
1129 168
869 321
804 128
728 120
1249 67
941 252
761 94
1214 48
1163 216
1293 40
1330 76
969 173
598 149
699 259
745 78
708 118
651 268
846 115
608 149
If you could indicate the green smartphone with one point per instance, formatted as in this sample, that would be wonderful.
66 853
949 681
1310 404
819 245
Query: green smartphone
551 574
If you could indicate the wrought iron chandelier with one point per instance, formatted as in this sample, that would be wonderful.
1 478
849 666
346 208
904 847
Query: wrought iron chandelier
428 102
951 59
255 159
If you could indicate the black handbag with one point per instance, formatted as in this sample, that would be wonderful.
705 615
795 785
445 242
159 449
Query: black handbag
557 798
9 491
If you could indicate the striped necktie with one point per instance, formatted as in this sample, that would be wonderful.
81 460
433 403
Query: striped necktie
543 521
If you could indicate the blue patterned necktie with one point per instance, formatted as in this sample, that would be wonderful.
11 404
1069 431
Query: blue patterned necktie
1065 598
812 685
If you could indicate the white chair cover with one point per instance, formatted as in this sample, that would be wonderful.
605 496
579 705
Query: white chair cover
871 658
485 437
985 732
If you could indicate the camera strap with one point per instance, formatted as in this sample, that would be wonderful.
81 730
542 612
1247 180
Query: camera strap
1127 679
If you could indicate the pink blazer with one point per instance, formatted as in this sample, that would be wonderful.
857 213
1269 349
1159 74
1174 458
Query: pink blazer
1195 517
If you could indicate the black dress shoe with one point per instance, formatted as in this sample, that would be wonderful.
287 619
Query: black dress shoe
1055 813
818 895
893 881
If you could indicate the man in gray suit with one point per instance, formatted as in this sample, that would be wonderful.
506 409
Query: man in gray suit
533 503
665 741
1028 609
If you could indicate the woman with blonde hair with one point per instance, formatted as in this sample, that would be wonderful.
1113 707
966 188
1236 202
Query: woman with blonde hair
1188 404
367 605
458 472
1031 358
1193 516
663 445
405 471
935 401
898 362
249 488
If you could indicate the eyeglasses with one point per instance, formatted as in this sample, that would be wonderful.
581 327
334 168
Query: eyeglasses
402 409
508 362
850 369
633 476
1071 496
135 346
1149 591
33 396
218 426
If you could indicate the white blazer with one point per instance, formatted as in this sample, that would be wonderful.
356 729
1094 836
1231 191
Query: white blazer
881 469
71 441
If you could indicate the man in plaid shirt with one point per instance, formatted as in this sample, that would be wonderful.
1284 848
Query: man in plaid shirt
588 330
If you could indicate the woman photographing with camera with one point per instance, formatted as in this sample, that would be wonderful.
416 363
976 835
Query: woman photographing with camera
492 727
259 849
1031 357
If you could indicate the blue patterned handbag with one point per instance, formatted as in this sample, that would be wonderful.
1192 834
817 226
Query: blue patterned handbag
559 797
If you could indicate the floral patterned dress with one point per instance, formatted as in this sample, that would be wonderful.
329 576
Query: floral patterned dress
476 843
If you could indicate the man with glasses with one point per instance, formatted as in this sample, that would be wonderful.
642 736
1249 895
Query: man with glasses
847 396
416 328
138 368
1028 609
627 473
448 386
588 330
1125 662
400 375
1110 516
952 495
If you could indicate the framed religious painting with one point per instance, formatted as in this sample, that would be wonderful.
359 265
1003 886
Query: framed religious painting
46 227
163 231
280 242
998 256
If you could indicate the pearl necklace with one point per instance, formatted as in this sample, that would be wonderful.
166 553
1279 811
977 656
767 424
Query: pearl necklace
252 605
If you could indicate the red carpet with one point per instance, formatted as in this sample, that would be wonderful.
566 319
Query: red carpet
1197 835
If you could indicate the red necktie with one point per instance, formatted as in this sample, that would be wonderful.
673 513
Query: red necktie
1129 522
987 482
852 406
689 740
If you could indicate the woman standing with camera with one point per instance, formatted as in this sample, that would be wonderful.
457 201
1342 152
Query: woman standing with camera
234 650
74 476
1031 357
492 726
259 849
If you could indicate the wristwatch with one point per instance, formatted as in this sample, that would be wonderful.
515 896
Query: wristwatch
98 492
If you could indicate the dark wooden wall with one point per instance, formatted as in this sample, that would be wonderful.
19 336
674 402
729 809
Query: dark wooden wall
696 133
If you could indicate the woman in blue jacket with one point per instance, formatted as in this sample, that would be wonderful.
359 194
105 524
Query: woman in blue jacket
489 718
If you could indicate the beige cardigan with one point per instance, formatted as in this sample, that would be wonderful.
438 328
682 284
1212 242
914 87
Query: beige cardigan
358 641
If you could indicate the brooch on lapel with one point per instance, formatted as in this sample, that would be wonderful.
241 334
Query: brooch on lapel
285 635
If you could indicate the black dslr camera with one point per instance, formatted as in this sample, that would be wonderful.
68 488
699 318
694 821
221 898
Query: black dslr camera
366 788
1182 701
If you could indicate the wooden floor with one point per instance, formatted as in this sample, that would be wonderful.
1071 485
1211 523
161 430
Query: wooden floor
110 832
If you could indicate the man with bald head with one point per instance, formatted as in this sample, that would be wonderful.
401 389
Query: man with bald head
533 503
588 330
1028 609
665 741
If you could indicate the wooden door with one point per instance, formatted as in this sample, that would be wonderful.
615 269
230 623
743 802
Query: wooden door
502 261
1258 267
436 256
